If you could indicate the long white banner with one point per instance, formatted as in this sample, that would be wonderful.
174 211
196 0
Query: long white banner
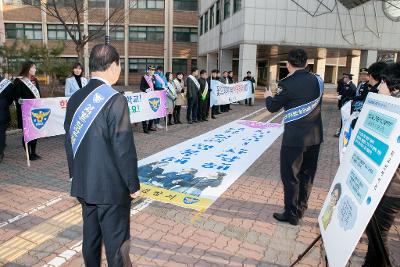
222 94
371 158
195 173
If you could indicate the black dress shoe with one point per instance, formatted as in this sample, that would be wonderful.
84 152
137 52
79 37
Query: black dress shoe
152 129
34 156
213 117
190 122
195 121
282 217
218 113
179 122
205 120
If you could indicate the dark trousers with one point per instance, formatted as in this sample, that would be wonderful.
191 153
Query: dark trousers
298 167
202 110
147 125
31 146
247 101
3 128
177 113
191 114
385 214
108 223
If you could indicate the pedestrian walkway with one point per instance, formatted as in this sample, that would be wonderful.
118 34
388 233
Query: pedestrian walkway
40 225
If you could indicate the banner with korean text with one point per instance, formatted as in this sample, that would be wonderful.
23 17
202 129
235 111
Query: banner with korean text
222 94
369 163
193 174
44 117
146 106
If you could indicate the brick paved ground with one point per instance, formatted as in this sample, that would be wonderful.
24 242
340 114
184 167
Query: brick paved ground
237 230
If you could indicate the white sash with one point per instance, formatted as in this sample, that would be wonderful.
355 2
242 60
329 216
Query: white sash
3 84
195 81
31 86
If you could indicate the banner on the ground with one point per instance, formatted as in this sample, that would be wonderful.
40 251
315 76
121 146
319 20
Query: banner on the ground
193 174
364 174
223 94
146 106
44 117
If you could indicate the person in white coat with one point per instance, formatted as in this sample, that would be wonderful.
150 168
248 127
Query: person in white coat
76 81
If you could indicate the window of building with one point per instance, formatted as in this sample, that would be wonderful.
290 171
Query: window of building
237 5
186 5
217 12
206 22
56 32
212 16
201 25
102 3
97 30
179 65
146 4
185 34
227 8
22 2
194 63
117 33
143 33
21 31
139 65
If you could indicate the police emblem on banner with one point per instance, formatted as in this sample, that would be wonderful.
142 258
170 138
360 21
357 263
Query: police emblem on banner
190 200
40 116
154 103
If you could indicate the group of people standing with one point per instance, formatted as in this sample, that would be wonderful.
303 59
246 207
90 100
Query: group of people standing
193 92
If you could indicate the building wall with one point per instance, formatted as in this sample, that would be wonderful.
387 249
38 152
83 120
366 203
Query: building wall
137 17
283 22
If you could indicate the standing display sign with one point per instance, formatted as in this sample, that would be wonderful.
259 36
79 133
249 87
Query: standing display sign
368 165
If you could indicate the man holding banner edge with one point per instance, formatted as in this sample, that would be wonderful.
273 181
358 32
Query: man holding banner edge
300 95
102 159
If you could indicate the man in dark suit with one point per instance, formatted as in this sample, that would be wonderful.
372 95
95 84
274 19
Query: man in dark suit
302 136
102 162
192 95
147 84
6 98
203 96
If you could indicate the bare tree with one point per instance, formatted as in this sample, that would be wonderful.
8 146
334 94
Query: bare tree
70 13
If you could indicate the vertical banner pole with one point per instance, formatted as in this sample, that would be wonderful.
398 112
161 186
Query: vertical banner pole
27 155
166 123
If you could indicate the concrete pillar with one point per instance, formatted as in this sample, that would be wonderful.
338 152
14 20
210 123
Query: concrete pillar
225 60
126 43
2 26
212 62
335 72
368 57
247 60
168 35
320 62
353 64
201 62
273 68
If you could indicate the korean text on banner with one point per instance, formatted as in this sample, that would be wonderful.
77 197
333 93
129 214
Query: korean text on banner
222 94
370 161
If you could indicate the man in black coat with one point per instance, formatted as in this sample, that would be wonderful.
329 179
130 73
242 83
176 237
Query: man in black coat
253 81
103 167
192 95
6 98
301 138
203 96
361 91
